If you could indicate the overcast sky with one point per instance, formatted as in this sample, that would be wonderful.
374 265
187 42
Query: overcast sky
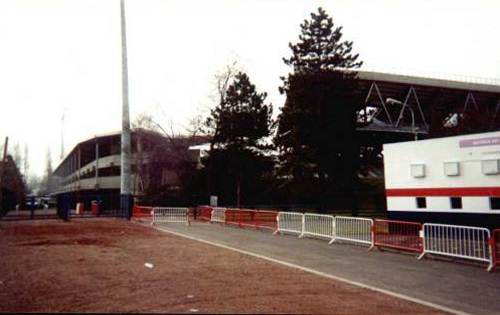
64 55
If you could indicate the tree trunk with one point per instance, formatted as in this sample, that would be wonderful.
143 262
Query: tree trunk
238 190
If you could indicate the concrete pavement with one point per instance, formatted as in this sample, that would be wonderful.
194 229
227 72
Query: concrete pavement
457 285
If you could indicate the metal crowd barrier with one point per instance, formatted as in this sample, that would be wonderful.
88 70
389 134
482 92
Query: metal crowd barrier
204 213
170 215
355 230
141 211
289 222
239 217
400 235
318 225
465 242
218 215
266 219
251 218
449 240
495 249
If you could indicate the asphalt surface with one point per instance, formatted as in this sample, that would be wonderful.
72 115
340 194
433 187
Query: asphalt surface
458 285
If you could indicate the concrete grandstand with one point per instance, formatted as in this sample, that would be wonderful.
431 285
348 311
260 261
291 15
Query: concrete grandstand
90 172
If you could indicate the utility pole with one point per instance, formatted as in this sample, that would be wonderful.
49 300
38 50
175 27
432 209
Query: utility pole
62 133
2 168
125 196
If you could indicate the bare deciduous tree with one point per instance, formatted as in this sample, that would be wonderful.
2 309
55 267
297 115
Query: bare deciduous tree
163 161
222 80
26 164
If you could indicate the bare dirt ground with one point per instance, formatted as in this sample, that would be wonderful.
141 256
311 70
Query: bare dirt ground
97 265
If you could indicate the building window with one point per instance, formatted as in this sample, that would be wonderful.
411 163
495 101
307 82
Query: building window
456 202
495 203
109 171
417 170
421 203
490 167
452 168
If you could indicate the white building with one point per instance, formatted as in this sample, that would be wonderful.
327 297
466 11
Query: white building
453 179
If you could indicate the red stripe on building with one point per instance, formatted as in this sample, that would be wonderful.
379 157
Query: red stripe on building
456 191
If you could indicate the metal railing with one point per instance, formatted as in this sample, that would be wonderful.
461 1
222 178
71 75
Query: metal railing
289 222
266 219
318 225
218 215
355 230
170 215
495 249
251 218
204 213
449 240
465 242
400 235
239 217
141 211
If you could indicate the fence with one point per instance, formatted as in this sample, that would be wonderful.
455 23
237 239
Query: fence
397 234
239 217
252 218
204 213
318 225
218 215
266 219
495 249
289 222
449 240
141 212
355 230
170 215
457 241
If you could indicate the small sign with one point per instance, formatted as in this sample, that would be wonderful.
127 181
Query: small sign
213 201
479 142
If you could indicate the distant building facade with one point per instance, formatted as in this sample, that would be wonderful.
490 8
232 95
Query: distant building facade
90 172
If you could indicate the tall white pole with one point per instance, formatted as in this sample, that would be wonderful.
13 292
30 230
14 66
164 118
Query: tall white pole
62 135
125 196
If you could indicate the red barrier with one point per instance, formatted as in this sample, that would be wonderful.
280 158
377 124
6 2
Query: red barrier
94 208
398 234
239 217
252 218
266 219
141 212
495 249
204 213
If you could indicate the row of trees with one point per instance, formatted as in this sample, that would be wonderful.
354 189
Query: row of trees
309 153
34 184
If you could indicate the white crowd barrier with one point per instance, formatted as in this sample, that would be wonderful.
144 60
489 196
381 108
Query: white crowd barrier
290 222
457 241
318 225
464 242
355 230
218 215
170 215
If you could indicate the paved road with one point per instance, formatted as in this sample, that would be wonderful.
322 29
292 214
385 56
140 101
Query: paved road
460 286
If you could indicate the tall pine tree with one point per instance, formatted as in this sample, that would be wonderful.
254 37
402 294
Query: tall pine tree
239 124
316 131
320 48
